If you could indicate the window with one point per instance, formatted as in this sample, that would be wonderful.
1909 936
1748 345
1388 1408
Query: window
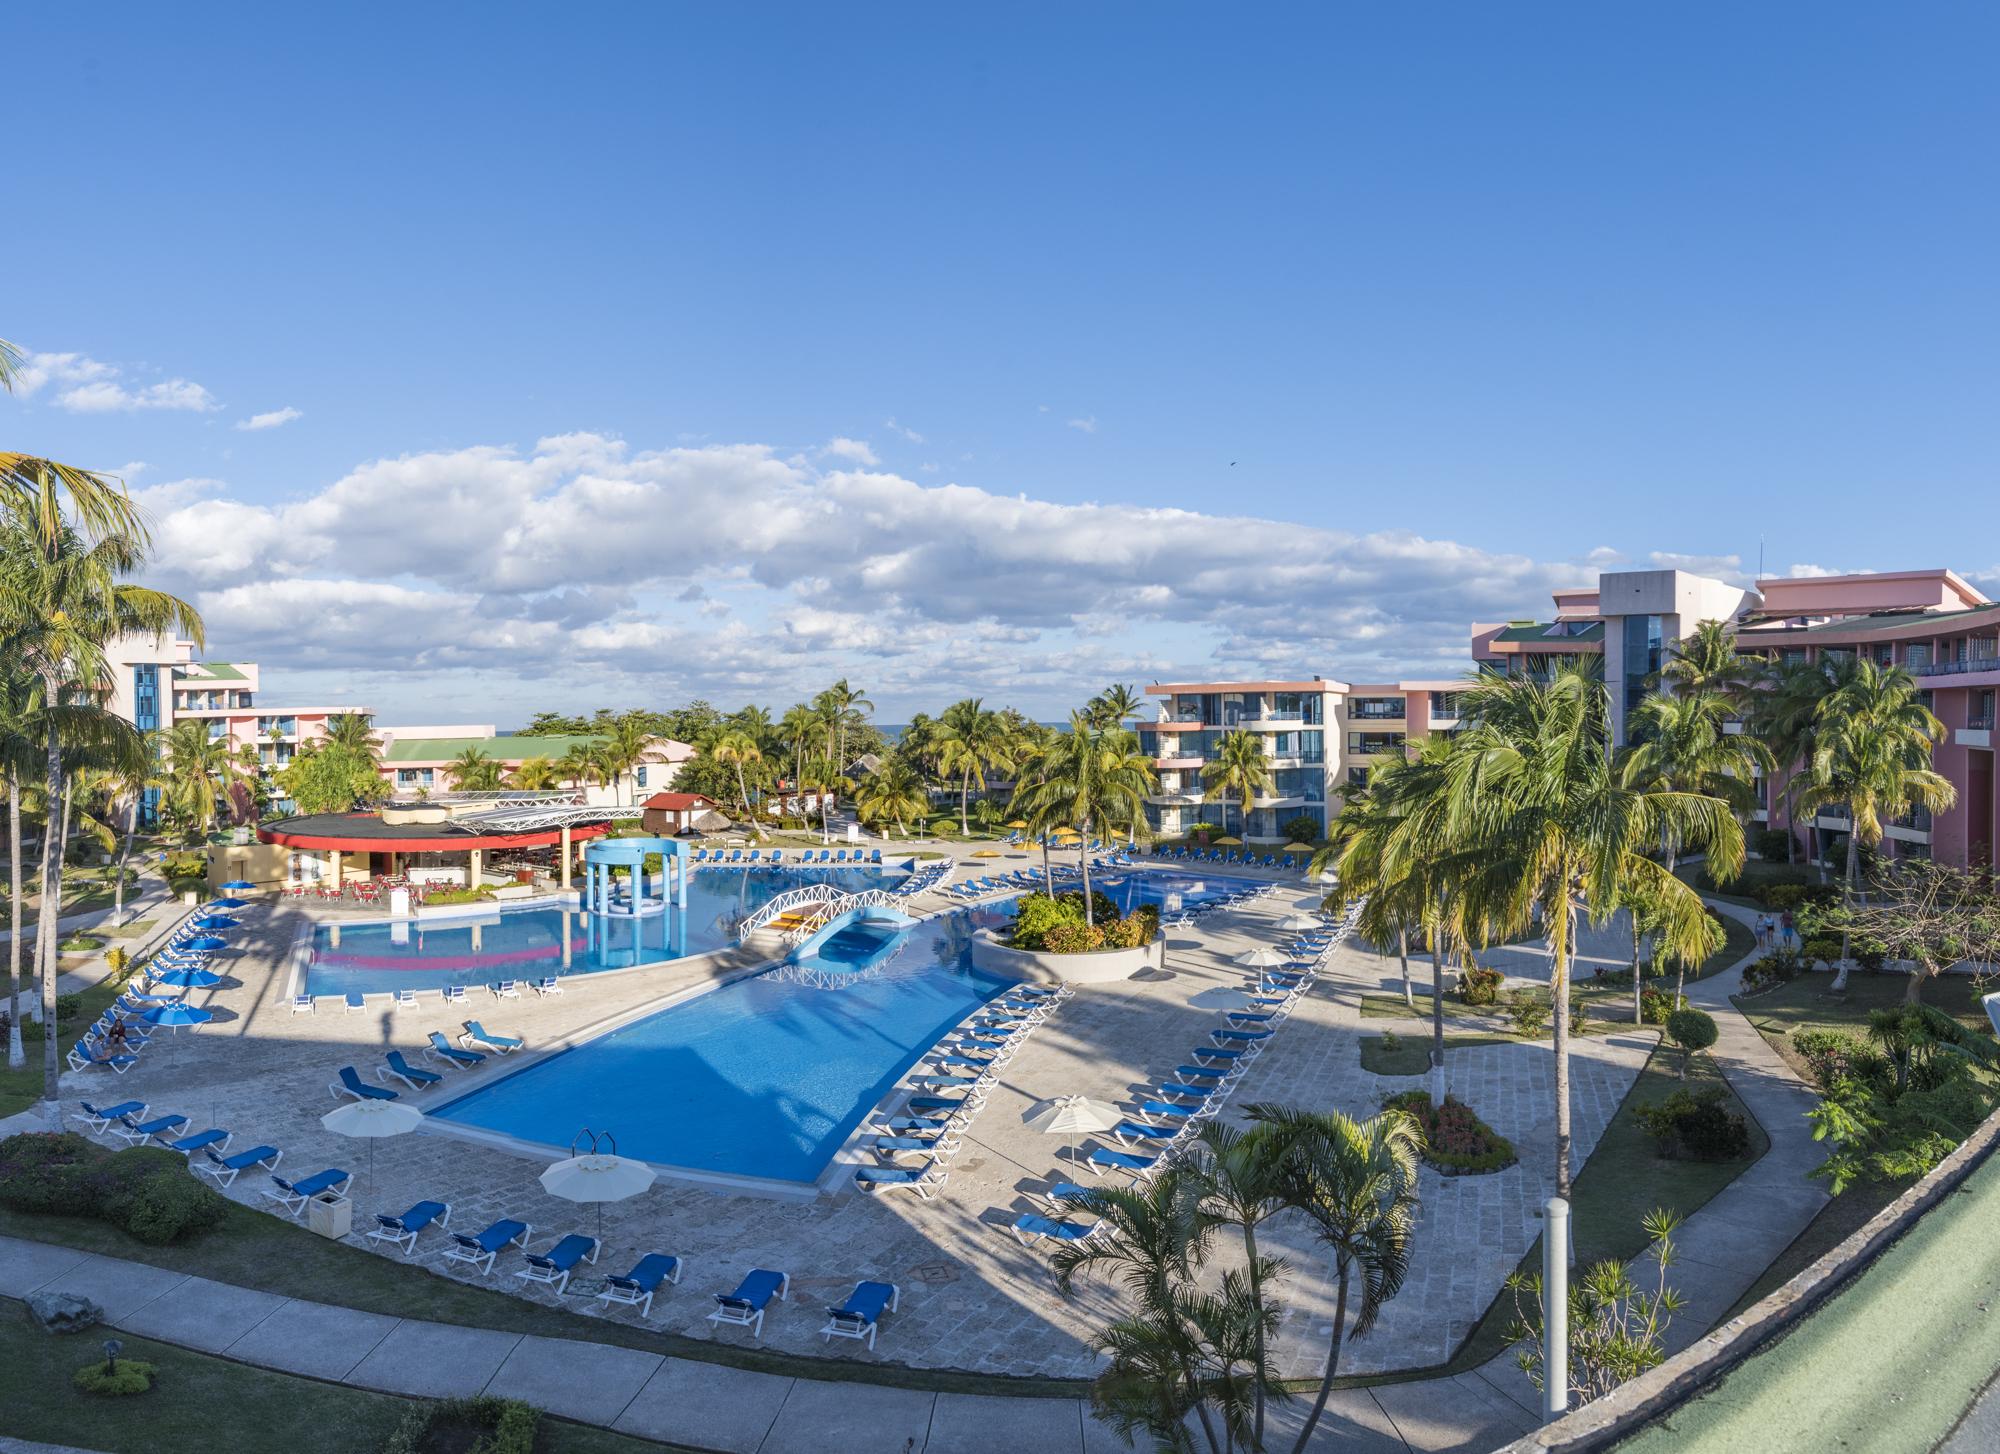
639 774
1917 655
145 696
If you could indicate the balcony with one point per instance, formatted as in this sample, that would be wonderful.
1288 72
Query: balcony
1383 712
1191 724
1979 736
1912 827
1269 719
1180 764
1970 666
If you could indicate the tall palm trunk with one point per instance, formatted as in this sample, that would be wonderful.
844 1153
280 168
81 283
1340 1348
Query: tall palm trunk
125 857
1562 931
51 909
1332 1360
1403 957
1083 860
1437 1018
1256 1301
1638 1006
17 1056
1048 869
964 797
1847 894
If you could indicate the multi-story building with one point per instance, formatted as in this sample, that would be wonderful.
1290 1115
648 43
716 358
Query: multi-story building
417 760
1319 735
1932 622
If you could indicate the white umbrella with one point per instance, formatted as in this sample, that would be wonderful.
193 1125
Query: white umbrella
1263 957
1301 921
1221 997
1073 1115
597 1178
1327 877
372 1120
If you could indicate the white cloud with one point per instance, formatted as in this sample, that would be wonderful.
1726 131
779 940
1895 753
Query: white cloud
582 553
1087 424
86 386
272 419
855 451
130 470
910 434
1719 567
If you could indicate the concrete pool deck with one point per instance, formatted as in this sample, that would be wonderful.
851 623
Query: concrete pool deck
973 1300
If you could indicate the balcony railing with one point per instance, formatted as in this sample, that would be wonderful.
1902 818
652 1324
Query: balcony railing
1393 713
1272 714
1981 721
1956 668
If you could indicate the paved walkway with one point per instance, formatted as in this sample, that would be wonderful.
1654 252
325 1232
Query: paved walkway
1724 1247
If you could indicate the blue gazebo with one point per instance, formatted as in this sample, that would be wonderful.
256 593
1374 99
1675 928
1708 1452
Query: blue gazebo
600 891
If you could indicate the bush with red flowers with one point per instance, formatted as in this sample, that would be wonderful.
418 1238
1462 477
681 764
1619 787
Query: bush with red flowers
1456 1142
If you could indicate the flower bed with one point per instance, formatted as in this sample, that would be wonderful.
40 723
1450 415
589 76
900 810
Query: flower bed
1456 1142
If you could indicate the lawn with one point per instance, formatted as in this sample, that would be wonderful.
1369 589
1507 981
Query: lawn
1806 1003
1411 1054
20 1089
199 1404
1621 1182
256 1249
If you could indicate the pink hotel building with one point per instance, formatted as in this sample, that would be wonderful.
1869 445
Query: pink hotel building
1323 734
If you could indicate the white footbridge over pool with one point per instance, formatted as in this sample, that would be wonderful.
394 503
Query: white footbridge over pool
813 906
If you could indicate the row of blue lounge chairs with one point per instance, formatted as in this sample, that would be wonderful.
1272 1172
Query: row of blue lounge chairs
475 1043
1027 878
948 1089
1229 857
1172 1110
355 1002
207 1151
814 857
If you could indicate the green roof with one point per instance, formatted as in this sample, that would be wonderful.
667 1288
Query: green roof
213 671
500 749
1971 618
1538 632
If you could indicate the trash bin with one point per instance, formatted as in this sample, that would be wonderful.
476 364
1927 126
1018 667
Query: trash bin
330 1216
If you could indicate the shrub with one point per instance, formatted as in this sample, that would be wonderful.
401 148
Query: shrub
1531 1013
461 895
1696 1125
1771 844
1480 986
1302 829
1871 955
1391 1042
118 961
1692 1030
1822 947
1456 1141
114 1380
68 1007
1073 939
487 1424
1833 1055
80 944
145 1191
39 1172
1655 1007
1772 969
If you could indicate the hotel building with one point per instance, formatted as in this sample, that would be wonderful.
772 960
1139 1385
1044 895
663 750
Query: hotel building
416 760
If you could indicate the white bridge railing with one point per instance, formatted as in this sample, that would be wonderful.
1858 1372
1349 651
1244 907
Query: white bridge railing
824 901
834 909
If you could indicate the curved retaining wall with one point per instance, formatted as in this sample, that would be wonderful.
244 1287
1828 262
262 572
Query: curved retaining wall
1100 966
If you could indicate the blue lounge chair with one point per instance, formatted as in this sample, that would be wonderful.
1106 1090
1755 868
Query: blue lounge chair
1029 1228
1226 1057
506 989
97 1119
1209 1073
777 855
700 856
403 1230
295 1194
1133 1133
138 1132
924 1180
82 1057
454 994
1103 1159
926 1105
744 1308
351 1084
555 1265
226 1169
446 1053
1249 1017
410 1075
302 1004
1174 1090
636 1288
1168 1111
859 1316
480 1250
404 999
548 985
735 855
1244 1037
200 1141
354 1002
875 857
478 1034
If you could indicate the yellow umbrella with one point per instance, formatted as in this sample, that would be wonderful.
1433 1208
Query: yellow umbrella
1017 825
1226 842
1299 848
987 853
1065 833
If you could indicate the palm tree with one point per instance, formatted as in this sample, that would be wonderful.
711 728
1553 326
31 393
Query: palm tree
1243 1182
1111 707
534 775
970 740
472 771
354 730
739 750
1548 822
841 706
1784 716
1706 664
891 793
1872 752
796 730
1240 768
1682 744
197 768
20 711
624 746
133 786
1356 1182
578 765
1087 778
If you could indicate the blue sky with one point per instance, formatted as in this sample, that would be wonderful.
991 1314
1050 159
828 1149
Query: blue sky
611 332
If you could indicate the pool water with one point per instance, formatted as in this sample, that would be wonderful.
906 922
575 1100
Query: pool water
766 1077
530 943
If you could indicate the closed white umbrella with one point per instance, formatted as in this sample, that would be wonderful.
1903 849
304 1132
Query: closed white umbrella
597 1178
1073 1116
371 1121
1263 957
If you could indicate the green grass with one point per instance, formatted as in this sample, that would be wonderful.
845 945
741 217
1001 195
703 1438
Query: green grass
20 1089
1412 1054
1807 1003
132 930
1623 1181
200 1404
1756 873
255 1249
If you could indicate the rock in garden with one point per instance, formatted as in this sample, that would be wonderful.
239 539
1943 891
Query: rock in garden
63 1312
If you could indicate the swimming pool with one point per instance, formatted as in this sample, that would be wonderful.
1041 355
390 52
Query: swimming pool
374 958
766 1077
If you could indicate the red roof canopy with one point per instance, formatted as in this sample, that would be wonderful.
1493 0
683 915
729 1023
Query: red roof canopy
679 802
